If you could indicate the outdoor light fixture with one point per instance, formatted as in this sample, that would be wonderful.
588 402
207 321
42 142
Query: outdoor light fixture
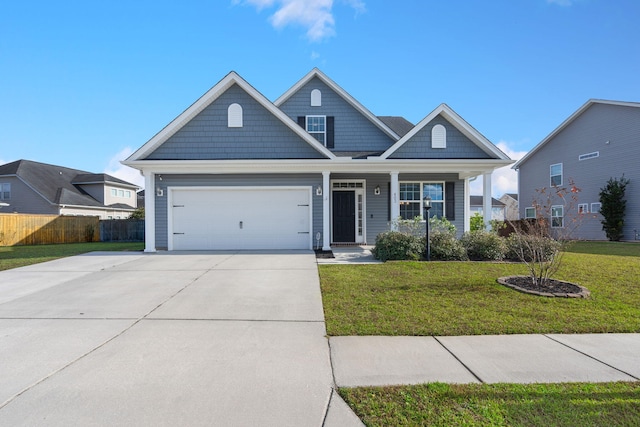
427 207
376 190
159 192
318 190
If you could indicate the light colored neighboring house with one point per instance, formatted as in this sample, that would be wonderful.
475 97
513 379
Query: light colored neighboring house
510 200
39 188
601 140
311 169
497 207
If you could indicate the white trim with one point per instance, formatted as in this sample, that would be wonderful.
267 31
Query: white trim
234 115
534 212
561 207
316 98
395 198
324 132
150 212
459 123
597 209
467 205
588 156
326 211
360 190
438 136
583 208
561 175
422 182
342 93
172 189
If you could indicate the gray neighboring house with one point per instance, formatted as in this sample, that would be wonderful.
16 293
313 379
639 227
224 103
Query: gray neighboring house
510 200
497 207
601 140
39 188
312 169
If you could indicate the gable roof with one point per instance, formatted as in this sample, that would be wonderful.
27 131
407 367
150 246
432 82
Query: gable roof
209 97
460 124
342 93
398 124
56 183
568 121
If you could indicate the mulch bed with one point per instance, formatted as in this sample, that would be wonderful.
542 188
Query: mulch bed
555 288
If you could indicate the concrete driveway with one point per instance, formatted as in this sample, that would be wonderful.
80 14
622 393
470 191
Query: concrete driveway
234 339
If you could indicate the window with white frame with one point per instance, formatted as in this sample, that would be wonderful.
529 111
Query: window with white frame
316 98
583 208
234 116
438 137
556 174
557 216
114 192
412 195
595 207
317 127
5 191
530 212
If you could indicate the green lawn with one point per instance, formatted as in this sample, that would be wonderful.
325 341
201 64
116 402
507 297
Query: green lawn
19 256
463 298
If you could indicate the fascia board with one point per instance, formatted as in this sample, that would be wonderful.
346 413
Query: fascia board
210 96
342 93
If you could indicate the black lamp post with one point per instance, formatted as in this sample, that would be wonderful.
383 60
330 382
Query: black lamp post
427 207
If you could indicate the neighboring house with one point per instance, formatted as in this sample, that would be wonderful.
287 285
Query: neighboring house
510 200
40 188
312 169
497 207
601 140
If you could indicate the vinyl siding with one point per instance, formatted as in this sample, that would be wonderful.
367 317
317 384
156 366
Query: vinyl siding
25 200
589 133
458 145
207 136
353 131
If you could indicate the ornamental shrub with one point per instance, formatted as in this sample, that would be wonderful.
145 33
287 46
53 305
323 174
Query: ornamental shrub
394 245
484 246
445 246
532 248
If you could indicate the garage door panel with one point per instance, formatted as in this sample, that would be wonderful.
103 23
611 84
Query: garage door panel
240 219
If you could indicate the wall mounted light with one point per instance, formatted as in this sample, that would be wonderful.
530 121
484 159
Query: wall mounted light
376 190
159 192
319 190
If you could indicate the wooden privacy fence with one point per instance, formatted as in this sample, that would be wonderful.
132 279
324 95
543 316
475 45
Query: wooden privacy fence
21 229
122 230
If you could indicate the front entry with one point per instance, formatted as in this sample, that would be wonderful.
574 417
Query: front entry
344 216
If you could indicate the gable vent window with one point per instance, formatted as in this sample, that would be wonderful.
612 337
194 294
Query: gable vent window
316 98
438 137
234 116
589 155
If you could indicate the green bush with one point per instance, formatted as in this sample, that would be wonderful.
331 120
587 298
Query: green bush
531 248
477 222
394 245
445 247
483 245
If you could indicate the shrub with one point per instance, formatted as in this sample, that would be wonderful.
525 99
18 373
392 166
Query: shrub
395 245
476 222
613 207
483 245
532 248
445 246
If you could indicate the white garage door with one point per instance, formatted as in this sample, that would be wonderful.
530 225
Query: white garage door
239 218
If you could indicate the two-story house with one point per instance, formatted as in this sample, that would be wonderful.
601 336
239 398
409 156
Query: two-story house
601 140
311 169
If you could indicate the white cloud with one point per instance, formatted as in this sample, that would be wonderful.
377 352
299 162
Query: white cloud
314 15
117 169
503 180
315 55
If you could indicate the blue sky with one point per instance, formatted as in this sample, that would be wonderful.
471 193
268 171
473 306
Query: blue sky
84 83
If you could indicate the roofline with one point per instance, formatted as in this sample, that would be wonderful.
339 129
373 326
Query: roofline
460 124
106 181
343 93
66 205
209 97
568 121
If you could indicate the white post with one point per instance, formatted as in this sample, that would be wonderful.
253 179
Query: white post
395 198
149 212
326 223
467 205
486 200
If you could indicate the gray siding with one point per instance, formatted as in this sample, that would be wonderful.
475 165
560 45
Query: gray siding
589 133
207 136
353 131
458 145
25 200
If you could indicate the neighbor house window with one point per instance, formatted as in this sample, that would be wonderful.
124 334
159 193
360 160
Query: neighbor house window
317 127
412 195
556 174
530 212
316 98
583 208
234 116
5 191
557 216
120 193
127 194
595 207
438 137
114 192
589 156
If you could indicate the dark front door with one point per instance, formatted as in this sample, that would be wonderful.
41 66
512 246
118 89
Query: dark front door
344 216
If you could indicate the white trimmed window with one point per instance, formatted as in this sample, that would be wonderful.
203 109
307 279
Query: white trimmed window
114 192
583 208
529 212
412 195
557 216
595 207
438 137
5 191
316 98
317 127
234 116
555 172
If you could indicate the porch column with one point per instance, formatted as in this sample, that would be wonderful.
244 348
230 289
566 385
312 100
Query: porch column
486 200
149 212
326 223
467 205
395 199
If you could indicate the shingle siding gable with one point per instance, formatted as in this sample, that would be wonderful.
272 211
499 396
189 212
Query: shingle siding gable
208 137
353 131
458 145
